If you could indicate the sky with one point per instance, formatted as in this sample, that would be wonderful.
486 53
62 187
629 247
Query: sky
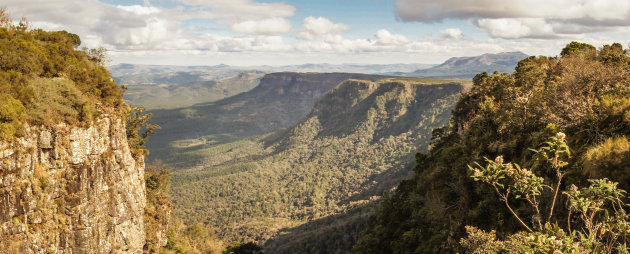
270 32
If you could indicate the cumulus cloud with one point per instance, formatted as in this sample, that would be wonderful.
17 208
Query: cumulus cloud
382 41
147 27
518 28
100 24
384 37
452 34
524 18
313 27
207 27
134 27
273 26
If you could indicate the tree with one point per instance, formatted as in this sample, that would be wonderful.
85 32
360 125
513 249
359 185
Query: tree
577 47
603 224
138 129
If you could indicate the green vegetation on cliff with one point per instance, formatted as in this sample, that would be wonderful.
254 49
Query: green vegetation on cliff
45 80
583 93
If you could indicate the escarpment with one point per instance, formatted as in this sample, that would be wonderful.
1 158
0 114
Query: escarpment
67 189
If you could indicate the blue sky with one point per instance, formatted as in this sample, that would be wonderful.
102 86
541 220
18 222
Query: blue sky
259 32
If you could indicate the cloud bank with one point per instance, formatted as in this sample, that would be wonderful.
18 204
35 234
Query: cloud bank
263 30
541 19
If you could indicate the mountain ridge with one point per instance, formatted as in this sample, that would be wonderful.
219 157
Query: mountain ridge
279 101
468 67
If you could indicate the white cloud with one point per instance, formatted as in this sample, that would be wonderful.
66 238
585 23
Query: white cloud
384 37
273 26
524 18
155 30
313 27
139 10
518 28
382 41
452 34
124 27
438 10
100 24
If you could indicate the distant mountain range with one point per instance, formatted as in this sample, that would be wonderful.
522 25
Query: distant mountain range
167 87
456 67
132 73
468 67
353 68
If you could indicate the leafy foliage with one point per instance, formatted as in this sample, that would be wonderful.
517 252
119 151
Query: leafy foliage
138 129
44 74
603 224
577 47
581 94
610 159
10 114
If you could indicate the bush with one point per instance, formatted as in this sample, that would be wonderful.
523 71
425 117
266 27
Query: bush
54 81
610 159
11 111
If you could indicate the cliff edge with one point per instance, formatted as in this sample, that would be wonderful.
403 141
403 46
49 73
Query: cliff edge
71 190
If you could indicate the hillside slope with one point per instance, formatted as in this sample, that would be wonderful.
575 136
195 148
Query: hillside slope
355 145
279 101
468 67
584 94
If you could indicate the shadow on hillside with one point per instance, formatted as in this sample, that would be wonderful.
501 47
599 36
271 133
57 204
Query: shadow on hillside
331 234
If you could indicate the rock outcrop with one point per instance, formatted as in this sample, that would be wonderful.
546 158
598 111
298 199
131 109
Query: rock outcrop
71 190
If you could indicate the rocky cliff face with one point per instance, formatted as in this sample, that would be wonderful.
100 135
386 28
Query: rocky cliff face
71 190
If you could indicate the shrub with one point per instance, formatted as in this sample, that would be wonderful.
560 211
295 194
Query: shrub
54 81
610 159
11 111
